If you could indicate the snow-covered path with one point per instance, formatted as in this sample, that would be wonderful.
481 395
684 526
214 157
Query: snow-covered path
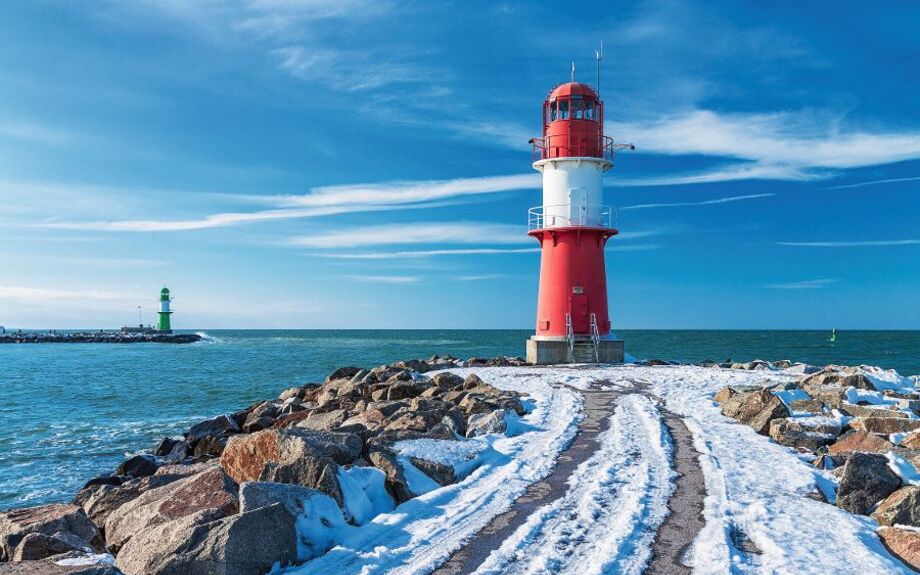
607 520
756 513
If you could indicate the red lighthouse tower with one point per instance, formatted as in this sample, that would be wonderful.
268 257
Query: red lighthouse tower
573 226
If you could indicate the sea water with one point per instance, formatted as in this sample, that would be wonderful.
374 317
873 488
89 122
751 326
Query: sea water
69 412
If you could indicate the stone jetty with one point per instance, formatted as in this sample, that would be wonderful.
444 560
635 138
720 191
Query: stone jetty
97 337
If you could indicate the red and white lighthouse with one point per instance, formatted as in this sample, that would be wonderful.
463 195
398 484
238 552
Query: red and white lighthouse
573 226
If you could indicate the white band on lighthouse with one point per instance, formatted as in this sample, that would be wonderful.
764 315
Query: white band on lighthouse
573 192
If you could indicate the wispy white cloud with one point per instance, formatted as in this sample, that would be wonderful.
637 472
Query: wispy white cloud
34 133
425 253
618 247
416 233
805 284
702 203
384 279
478 278
852 244
874 183
42 295
405 192
324 201
782 145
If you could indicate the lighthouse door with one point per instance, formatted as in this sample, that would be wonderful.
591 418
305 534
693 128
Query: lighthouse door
579 304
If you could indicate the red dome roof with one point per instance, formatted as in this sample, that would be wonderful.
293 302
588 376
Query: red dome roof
572 88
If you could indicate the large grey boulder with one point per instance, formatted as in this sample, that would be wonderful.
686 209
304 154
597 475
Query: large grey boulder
244 544
61 527
837 376
865 480
99 501
309 505
901 507
884 425
808 433
211 490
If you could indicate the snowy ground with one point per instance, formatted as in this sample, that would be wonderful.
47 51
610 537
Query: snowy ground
616 500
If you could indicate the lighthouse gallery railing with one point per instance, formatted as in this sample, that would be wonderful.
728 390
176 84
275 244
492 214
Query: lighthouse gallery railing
560 216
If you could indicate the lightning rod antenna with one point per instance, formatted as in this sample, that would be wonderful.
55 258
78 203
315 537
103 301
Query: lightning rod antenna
573 70
598 56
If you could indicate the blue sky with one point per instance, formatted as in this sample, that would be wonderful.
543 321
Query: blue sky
364 163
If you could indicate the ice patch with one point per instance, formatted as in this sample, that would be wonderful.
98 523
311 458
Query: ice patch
364 492
319 527
89 559
855 396
464 456
903 468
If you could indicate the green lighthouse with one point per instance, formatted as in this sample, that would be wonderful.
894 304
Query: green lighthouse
163 325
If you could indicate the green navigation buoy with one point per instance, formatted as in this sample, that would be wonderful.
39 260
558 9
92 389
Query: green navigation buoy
833 335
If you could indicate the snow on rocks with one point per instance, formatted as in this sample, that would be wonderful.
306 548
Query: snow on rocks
606 521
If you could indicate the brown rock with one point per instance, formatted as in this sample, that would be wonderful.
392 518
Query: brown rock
292 392
869 411
99 501
40 546
323 421
837 376
447 380
209 490
903 544
47 520
290 420
755 409
298 456
911 440
343 373
884 425
865 480
901 507
474 403
724 395
808 406
804 432
860 441
244 544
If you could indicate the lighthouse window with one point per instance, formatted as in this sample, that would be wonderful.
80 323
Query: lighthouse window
552 112
564 110
589 110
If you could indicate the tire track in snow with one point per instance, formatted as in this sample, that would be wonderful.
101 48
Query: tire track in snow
607 521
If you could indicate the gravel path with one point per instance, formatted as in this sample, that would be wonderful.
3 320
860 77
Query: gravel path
676 534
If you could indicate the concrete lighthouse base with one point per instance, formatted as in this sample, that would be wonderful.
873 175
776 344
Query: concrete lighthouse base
551 351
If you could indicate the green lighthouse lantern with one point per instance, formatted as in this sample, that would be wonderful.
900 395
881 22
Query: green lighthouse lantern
163 324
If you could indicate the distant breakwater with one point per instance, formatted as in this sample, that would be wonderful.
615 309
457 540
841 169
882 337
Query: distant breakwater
98 337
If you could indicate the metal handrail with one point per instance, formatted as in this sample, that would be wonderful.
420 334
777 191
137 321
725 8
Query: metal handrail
570 334
595 338
538 220
560 145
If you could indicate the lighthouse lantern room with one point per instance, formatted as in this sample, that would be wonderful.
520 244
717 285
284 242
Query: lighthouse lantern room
573 226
